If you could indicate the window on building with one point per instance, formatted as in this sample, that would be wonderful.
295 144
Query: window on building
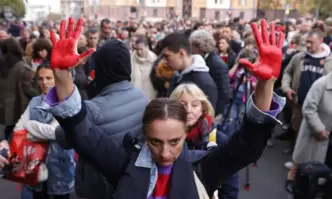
40 14
202 13
217 15
155 12
215 1
242 15
171 12
220 1
243 2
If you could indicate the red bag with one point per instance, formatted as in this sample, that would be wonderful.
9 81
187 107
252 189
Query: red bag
26 157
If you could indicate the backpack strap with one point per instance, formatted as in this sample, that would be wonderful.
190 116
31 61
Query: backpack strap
212 140
213 136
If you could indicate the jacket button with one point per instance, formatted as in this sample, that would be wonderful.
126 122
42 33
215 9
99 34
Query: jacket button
137 146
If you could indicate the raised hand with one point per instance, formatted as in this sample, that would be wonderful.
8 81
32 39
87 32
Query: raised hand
270 55
64 53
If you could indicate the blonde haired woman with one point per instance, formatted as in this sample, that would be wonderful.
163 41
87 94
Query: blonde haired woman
201 129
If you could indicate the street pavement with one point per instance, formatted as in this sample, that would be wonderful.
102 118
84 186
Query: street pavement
267 179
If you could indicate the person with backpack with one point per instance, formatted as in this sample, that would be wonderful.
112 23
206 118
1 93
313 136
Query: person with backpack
303 70
313 141
202 130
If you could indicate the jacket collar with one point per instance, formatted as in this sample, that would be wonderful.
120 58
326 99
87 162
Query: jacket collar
138 174
145 160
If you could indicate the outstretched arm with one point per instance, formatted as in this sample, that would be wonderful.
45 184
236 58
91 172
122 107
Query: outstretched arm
267 68
91 143
65 103
248 144
64 57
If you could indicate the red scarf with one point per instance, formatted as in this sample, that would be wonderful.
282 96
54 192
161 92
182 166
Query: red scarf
201 129
225 58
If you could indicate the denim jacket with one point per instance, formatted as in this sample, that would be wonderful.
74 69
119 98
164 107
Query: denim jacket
60 163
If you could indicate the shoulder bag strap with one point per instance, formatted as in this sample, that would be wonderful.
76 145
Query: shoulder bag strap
200 188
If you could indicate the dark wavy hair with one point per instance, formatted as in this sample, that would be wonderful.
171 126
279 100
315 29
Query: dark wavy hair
41 66
41 44
224 38
12 53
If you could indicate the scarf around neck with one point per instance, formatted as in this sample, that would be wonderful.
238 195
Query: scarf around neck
199 133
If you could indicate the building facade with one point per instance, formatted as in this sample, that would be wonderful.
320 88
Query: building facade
164 9
245 9
125 9
39 10
216 9
75 8
219 9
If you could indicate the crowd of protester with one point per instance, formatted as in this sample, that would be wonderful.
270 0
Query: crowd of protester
141 72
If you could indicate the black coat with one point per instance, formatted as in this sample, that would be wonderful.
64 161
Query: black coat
287 57
235 46
203 80
231 59
219 73
328 40
116 162
81 81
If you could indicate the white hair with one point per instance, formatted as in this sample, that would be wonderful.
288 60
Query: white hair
203 40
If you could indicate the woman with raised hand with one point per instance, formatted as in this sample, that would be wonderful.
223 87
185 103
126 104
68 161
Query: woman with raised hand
163 166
